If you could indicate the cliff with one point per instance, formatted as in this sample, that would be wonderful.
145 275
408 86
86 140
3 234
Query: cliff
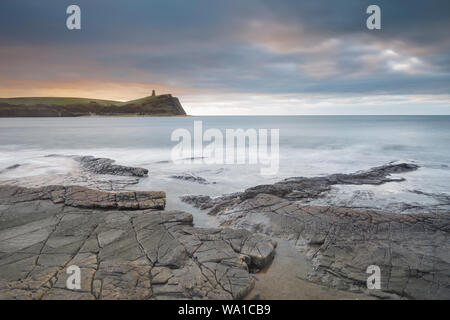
162 105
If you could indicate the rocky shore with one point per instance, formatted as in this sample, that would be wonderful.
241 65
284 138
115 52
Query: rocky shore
126 245
303 188
129 246
412 250
107 166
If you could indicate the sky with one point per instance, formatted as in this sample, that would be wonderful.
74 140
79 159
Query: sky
233 56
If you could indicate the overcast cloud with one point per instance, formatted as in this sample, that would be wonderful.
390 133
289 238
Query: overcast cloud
229 57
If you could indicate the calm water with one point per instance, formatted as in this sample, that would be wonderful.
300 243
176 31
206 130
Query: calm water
309 146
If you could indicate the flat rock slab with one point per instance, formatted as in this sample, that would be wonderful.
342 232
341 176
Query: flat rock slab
83 197
126 254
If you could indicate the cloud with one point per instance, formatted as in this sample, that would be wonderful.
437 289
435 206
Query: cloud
252 47
108 90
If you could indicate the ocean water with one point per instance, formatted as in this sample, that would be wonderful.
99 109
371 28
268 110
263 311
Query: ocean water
309 146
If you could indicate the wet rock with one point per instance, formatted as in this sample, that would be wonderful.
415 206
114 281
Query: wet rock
206 202
192 178
107 166
127 254
302 188
202 201
412 250
95 173
14 166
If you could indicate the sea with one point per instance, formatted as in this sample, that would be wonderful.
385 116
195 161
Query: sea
308 146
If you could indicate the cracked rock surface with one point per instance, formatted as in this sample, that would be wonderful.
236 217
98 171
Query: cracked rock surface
77 196
122 254
412 250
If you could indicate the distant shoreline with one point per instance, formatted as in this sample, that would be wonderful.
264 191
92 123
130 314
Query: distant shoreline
162 105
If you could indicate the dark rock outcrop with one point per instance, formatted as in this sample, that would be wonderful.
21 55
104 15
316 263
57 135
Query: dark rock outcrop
139 254
107 166
301 188
191 177
88 171
14 166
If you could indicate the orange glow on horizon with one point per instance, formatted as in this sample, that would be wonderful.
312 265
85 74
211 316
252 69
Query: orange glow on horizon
86 88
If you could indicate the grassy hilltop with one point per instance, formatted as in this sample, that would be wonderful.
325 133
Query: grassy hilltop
162 105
